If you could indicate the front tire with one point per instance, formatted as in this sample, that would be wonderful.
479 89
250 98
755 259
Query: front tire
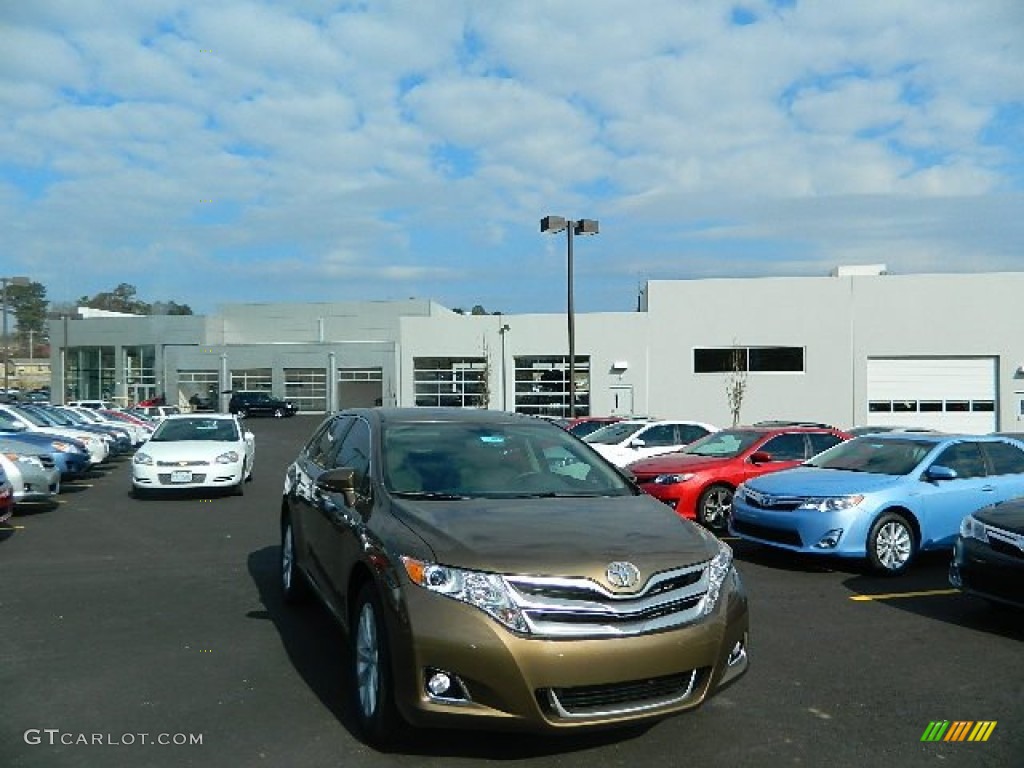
293 583
278 413
372 686
891 544
714 508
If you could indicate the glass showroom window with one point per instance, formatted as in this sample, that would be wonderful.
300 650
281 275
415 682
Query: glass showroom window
542 386
90 373
450 382
252 380
205 384
307 388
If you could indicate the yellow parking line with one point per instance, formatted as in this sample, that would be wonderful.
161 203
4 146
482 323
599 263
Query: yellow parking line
12 527
897 595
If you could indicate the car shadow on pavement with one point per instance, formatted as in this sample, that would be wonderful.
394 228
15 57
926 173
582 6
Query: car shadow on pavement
29 508
318 649
925 591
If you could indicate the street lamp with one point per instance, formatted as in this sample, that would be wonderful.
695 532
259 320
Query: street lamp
5 281
556 224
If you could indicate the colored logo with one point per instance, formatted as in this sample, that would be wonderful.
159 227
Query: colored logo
959 730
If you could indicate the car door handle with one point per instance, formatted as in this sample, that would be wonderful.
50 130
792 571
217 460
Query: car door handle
988 488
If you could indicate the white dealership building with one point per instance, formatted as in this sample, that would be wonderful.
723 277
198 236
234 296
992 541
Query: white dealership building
856 347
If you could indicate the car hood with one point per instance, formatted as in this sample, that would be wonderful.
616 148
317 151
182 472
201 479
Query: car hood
814 481
1008 516
557 537
679 462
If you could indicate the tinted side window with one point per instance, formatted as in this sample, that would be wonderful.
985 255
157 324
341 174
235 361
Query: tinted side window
786 447
690 432
325 443
355 453
1006 459
662 434
964 458
822 441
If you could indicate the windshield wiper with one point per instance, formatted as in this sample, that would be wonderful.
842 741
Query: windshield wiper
429 495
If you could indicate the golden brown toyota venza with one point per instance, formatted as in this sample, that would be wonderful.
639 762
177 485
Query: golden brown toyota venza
492 570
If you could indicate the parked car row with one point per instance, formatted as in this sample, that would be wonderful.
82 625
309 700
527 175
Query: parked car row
881 495
42 445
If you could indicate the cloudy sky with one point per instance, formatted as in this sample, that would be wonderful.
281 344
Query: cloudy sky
315 150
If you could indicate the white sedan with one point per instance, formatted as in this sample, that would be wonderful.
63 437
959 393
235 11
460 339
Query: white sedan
189 451
624 442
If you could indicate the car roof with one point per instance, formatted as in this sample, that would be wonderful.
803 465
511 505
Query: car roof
180 416
393 415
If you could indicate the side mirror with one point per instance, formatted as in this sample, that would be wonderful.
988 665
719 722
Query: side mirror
760 457
939 472
628 474
636 442
249 435
340 480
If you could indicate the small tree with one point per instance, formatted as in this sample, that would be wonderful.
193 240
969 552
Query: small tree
736 383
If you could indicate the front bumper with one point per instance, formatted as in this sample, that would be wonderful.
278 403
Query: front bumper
206 476
524 683
842 533
679 496
979 569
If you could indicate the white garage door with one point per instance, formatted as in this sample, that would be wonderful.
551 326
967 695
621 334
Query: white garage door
953 394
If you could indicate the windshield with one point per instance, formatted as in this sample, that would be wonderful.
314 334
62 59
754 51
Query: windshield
472 460
175 430
32 417
871 454
615 433
724 445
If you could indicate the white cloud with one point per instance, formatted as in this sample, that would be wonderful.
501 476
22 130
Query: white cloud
410 148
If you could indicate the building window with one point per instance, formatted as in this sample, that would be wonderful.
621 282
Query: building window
450 382
542 385
752 359
307 388
252 380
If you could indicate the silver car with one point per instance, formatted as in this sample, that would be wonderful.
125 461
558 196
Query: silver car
30 478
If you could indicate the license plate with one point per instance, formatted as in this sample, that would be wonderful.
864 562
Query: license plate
181 476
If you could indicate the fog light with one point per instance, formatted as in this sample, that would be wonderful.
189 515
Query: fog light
439 684
830 540
738 652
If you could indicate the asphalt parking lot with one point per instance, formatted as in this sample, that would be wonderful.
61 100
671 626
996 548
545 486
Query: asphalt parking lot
139 622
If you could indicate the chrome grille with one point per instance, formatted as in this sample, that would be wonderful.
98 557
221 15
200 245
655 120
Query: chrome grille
759 500
579 607
195 463
1006 542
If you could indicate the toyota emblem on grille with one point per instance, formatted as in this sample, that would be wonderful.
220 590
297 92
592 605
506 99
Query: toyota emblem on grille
622 574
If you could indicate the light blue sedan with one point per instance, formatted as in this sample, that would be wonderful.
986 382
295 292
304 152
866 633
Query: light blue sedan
881 497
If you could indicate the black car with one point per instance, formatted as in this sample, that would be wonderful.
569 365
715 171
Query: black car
988 557
260 404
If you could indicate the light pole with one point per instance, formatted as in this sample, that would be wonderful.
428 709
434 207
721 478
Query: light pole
503 328
556 224
7 353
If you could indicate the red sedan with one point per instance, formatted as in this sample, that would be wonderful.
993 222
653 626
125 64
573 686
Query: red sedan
698 481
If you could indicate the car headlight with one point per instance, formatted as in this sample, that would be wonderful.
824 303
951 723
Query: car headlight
486 591
64 447
718 570
143 459
832 503
231 457
672 479
972 528
740 493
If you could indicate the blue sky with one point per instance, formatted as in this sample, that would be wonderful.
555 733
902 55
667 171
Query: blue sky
316 150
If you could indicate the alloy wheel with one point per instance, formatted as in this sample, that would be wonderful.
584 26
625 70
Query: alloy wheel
893 545
367 661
